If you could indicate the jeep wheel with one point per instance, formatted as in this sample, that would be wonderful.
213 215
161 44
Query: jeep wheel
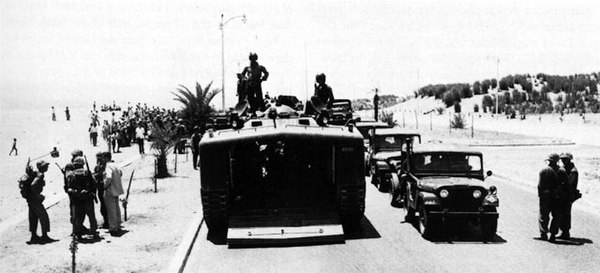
395 195
489 227
382 184
426 226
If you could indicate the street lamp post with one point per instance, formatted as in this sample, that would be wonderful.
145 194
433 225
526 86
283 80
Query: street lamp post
222 27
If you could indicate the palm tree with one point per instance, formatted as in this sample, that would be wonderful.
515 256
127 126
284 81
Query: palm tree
196 107
163 139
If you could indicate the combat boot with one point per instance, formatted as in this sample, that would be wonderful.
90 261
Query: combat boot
565 235
544 236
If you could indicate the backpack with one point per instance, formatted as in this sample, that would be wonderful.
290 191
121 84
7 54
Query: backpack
25 184
82 180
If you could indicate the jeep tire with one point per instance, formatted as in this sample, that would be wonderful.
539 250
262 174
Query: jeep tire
427 225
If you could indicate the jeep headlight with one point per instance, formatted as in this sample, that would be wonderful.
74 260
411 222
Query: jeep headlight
476 194
444 193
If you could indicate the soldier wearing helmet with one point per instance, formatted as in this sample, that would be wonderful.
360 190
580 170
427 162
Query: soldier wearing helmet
81 189
573 193
550 194
253 75
37 211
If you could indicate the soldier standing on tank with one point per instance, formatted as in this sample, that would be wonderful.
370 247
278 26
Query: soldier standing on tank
550 196
255 74
572 180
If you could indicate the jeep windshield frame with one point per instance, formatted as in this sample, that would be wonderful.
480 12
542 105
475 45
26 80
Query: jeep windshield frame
446 163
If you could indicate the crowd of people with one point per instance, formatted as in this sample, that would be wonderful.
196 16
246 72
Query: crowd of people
557 190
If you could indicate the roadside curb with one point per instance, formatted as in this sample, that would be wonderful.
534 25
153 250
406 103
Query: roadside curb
184 250
50 202
522 144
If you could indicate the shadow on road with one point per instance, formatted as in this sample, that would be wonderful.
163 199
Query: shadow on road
365 230
570 242
459 233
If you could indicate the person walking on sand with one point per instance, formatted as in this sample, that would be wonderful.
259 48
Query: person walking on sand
14 148
549 194
112 190
53 114
139 136
37 211
93 134
67 113
574 194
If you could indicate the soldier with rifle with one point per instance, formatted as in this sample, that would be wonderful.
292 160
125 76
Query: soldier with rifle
99 177
82 188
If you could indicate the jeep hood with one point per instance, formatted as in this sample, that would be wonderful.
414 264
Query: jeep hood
434 183
386 155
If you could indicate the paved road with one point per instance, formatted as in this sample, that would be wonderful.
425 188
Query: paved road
386 244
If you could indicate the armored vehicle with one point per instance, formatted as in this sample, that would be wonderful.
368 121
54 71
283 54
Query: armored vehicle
388 148
282 179
447 185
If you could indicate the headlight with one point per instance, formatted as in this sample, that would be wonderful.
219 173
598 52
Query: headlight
476 194
444 193
493 190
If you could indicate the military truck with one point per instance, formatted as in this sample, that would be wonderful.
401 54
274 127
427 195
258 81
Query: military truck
279 180
444 185
388 149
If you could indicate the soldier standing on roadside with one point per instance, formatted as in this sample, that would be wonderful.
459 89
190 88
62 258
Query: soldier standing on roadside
572 180
549 193
81 188
195 146
37 211
99 177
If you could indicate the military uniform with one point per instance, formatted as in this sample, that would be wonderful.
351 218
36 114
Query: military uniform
81 188
99 177
254 74
37 211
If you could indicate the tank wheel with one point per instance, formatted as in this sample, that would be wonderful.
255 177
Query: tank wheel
489 227
426 225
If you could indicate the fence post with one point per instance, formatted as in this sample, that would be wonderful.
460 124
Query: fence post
472 125
449 122
155 173
403 123
430 121
176 162
416 119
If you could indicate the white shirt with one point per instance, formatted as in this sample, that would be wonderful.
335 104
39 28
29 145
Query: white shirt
139 132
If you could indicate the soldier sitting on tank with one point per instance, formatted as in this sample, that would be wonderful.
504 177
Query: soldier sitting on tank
255 74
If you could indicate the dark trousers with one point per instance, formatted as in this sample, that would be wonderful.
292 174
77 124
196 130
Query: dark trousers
140 142
80 210
102 205
94 137
37 212
565 224
550 206
195 158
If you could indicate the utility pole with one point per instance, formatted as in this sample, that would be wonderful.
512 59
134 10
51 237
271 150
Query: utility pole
222 28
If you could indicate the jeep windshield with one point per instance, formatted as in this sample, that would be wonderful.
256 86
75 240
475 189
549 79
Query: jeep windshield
389 143
445 162
342 106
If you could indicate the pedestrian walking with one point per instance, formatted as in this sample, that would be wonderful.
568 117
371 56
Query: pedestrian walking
139 136
112 190
93 134
574 194
14 148
196 137
67 113
53 114
37 211
81 188
550 196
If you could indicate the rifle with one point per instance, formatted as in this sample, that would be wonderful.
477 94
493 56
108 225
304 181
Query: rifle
61 169
90 173
127 196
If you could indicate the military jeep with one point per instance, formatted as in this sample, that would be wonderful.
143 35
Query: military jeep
341 112
447 185
388 149
278 179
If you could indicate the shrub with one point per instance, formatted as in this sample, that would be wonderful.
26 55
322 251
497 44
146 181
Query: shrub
458 122
387 117
440 110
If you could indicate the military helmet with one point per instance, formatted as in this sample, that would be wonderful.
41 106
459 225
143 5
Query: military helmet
69 167
553 157
253 56
78 161
77 152
42 163
566 156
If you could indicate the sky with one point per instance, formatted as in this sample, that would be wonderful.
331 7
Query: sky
72 51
